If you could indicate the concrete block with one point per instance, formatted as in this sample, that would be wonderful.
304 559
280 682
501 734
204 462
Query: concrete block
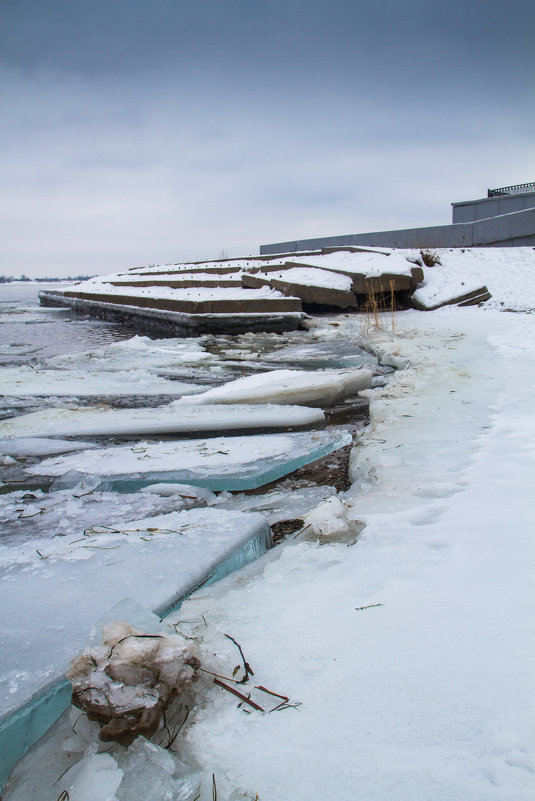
316 295
254 281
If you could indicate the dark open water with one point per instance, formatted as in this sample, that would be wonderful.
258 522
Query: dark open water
30 332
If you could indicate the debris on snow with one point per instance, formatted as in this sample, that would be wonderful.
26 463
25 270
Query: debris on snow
126 683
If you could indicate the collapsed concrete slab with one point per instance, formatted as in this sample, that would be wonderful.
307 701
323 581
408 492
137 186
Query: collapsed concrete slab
472 298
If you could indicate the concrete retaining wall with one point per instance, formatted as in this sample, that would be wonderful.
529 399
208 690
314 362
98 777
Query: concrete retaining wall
472 210
517 228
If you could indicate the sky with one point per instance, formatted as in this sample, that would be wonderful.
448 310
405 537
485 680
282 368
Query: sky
139 132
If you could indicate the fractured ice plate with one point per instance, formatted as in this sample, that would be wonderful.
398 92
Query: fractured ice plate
171 419
51 604
219 463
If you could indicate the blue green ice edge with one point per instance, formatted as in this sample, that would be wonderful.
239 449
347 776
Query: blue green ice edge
21 729
235 482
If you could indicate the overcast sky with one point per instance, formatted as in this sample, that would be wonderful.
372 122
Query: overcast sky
147 131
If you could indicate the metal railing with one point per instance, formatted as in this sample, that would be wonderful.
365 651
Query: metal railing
519 189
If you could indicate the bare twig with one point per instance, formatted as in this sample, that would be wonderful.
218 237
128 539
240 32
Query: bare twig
243 698
246 666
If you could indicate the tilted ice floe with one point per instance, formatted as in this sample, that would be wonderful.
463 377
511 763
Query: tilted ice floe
314 388
170 419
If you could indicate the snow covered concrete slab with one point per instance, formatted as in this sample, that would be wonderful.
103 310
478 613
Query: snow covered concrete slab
370 272
171 419
25 381
52 602
316 286
219 463
222 320
314 388
196 300
182 280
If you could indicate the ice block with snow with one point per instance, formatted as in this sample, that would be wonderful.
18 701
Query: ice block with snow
309 387
219 463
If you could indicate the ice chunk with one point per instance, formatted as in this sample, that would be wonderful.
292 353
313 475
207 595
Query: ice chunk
184 491
220 463
317 388
94 778
40 446
27 381
171 419
329 522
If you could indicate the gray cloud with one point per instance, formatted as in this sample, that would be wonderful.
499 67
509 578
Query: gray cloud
139 132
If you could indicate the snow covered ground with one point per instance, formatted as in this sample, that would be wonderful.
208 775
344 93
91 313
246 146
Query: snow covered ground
411 652
406 658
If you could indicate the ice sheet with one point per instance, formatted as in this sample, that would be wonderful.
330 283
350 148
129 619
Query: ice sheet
171 419
26 381
220 463
318 388
50 602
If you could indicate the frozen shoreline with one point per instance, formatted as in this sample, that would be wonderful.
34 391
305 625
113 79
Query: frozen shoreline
409 651
427 695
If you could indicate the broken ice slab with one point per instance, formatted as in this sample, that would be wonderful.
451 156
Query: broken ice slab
171 419
312 388
25 381
40 446
51 603
220 463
